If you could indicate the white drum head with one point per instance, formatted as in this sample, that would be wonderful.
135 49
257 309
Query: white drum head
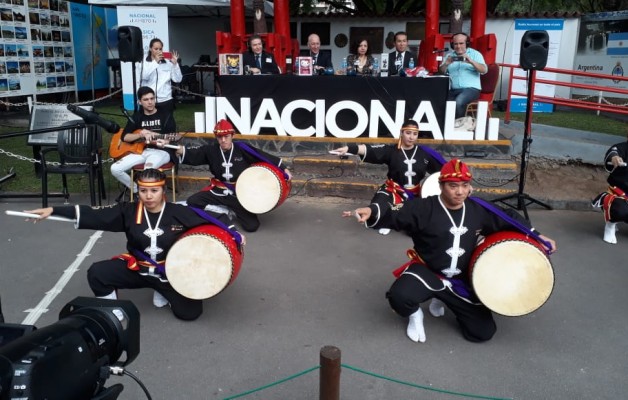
430 185
199 266
258 189
513 278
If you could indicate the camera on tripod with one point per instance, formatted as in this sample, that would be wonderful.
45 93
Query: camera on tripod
72 358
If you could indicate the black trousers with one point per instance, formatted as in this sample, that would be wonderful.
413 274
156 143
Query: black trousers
109 275
619 210
407 293
248 220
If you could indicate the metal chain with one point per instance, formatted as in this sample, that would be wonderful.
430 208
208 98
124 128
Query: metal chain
6 103
54 163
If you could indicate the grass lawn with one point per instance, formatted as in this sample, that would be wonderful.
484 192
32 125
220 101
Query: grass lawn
26 181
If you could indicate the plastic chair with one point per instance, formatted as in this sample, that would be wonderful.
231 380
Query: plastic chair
489 86
79 152
169 167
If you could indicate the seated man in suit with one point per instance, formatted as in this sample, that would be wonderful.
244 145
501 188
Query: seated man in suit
257 60
320 61
400 58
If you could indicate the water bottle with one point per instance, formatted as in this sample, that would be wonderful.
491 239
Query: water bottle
375 66
411 63
343 66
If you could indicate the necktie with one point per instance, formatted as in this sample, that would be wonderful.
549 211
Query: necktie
257 62
314 58
399 62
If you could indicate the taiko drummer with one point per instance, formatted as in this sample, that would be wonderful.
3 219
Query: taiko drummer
152 226
227 160
445 230
408 163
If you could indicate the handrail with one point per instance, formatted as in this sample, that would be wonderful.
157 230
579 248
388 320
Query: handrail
575 103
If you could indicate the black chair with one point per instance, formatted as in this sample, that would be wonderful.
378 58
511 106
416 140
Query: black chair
79 152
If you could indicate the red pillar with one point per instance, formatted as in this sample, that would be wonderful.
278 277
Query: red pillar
237 18
478 18
282 18
432 17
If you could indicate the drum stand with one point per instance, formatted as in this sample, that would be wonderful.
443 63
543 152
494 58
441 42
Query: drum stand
523 199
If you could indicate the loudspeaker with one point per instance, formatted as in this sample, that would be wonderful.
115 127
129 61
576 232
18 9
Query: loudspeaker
130 46
534 49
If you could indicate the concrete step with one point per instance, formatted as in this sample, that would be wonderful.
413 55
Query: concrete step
317 173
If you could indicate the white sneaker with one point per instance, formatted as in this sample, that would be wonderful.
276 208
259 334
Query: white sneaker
416 330
159 300
384 231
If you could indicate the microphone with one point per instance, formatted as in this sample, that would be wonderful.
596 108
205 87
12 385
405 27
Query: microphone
440 50
126 114
91 117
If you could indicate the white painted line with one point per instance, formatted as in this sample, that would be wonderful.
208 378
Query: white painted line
42 307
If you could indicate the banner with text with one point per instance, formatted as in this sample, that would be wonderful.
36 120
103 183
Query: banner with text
602 49
153 21
554 28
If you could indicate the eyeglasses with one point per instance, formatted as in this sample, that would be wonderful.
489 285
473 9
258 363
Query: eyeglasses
459 43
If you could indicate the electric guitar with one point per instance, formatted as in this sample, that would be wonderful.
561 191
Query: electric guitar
119 148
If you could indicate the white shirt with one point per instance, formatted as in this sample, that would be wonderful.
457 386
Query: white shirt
157 76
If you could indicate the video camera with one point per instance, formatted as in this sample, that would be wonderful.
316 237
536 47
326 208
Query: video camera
72 358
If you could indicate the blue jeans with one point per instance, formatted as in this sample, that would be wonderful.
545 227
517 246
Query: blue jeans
463 97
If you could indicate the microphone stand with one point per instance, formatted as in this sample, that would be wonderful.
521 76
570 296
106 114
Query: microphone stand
523 199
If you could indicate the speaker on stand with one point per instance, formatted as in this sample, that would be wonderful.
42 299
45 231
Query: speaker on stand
131 49
533 57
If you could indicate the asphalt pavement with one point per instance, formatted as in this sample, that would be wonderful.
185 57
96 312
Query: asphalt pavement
311 278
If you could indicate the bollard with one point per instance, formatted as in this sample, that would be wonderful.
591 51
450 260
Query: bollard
330 373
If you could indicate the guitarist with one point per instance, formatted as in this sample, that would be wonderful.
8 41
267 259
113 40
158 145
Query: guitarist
142 129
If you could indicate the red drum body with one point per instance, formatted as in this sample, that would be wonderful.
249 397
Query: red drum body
511 274
430 186
203 262
262 187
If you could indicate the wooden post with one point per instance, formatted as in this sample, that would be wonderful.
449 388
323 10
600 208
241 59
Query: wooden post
330 373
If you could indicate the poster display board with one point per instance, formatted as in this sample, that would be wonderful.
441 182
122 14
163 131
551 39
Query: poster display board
602 49
36 52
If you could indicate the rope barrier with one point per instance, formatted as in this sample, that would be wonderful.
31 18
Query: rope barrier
474 396
291 377
361 371
9 104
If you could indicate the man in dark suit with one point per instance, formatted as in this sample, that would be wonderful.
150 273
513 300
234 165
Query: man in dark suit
320 61
257 60
400 58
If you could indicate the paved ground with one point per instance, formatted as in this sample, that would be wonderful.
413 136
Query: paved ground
311 278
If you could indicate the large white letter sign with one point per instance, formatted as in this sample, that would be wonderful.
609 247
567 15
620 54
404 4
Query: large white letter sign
286 118
267 107
378 112
360 112
425 109
242 121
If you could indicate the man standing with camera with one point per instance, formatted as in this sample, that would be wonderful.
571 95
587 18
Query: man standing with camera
464 66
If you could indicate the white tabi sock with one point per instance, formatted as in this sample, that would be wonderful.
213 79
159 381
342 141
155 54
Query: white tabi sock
415 330
609 232
437 308
159 300
384 231
110 296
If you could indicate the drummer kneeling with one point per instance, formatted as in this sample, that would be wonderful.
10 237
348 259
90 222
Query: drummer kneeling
445 230
152 226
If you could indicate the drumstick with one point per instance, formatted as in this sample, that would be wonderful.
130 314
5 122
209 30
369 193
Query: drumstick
37 216
337 153
621 164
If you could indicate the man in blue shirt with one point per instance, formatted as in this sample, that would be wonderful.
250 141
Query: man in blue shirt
464 66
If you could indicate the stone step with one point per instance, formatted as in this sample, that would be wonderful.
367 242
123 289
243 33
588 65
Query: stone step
317 173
